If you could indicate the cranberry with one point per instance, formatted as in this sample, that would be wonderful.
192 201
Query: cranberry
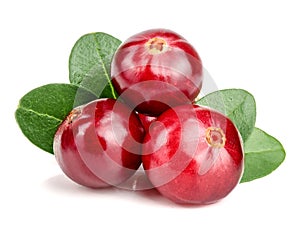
99 144
193 154
156 69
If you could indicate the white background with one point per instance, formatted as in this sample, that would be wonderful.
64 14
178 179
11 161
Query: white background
254 45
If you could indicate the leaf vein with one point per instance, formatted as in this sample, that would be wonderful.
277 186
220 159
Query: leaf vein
40 114
265 151
103 66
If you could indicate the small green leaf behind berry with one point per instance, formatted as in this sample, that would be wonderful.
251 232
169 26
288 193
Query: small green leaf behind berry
89 63
42 110
263 154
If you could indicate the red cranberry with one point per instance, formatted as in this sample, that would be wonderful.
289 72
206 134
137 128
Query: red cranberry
99 144
156 69
193 154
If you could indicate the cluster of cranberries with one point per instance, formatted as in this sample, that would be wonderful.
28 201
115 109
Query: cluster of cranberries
190 154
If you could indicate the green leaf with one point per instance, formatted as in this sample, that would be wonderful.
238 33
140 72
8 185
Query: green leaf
237 104
42 110
89 63
263 154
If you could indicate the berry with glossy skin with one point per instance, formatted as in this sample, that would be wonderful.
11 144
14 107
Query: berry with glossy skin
98 144
156 69
193 154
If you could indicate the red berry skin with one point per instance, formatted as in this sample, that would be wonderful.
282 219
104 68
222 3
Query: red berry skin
146 121
99 144
193 154
156 69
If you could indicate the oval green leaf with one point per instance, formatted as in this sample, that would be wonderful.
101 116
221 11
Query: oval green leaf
237 104
89 63
263 154
42 110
